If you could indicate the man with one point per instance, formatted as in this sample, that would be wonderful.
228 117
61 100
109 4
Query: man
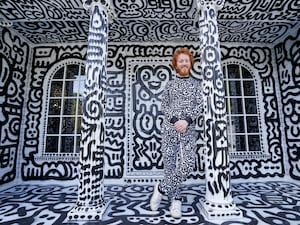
181 104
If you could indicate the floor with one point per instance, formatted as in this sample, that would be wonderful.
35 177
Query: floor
268 202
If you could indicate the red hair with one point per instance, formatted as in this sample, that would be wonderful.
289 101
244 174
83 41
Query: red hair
182 51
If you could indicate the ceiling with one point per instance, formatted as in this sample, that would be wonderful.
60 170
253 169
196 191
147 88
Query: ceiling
66 21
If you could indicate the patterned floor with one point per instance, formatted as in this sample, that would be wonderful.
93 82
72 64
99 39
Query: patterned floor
272 202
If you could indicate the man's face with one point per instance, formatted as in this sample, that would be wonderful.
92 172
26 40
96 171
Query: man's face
183 65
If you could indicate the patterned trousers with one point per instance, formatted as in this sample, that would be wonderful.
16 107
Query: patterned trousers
179 158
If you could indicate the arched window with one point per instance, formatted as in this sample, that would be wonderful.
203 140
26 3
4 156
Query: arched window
241 102
64 109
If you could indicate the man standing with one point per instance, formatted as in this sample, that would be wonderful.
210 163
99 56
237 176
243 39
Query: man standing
181 105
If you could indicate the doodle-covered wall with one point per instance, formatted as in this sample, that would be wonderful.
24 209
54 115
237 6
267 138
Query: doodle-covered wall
288 64
137 73
14 64
136 77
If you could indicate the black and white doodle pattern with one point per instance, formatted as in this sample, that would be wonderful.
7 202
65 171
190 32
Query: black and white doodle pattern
272 202
241 166
34 164
288 58
217 170
147 79
115 124
42 22
272 156
13 69
90 203
266 163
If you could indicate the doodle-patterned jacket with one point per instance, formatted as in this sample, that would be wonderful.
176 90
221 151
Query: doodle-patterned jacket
182 99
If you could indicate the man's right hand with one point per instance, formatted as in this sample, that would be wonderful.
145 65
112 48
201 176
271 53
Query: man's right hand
181 126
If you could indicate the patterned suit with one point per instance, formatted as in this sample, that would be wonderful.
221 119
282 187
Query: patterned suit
182 99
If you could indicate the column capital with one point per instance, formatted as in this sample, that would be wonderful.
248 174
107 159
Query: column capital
104 6
217 4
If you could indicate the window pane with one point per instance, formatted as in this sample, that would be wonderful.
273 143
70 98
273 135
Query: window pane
249 88
68 125
72 71
59 74
236 106
69 106
254 143
246 73
69 88
240 143
225 88
78 125
252 124
82 68
53 125
230 144
233 71
250 105
233 143
67 144
227 104
82 84
238 124
80 106
235 88
56 89
78 86
51 144
54 106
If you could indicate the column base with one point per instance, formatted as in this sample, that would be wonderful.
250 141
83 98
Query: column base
218 211
87 213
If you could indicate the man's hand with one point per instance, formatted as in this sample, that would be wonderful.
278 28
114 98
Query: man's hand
181 126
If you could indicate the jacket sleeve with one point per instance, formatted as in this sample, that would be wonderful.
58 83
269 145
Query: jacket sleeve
196 107
166 105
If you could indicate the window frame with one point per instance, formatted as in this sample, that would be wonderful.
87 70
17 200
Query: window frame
249 154
58 155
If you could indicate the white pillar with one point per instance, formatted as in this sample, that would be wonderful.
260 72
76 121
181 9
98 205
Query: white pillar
218 203
90 203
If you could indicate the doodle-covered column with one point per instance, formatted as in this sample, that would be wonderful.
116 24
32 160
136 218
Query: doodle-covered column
90 203
218 201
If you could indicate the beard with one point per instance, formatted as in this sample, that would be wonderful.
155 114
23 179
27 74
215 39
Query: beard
184 71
